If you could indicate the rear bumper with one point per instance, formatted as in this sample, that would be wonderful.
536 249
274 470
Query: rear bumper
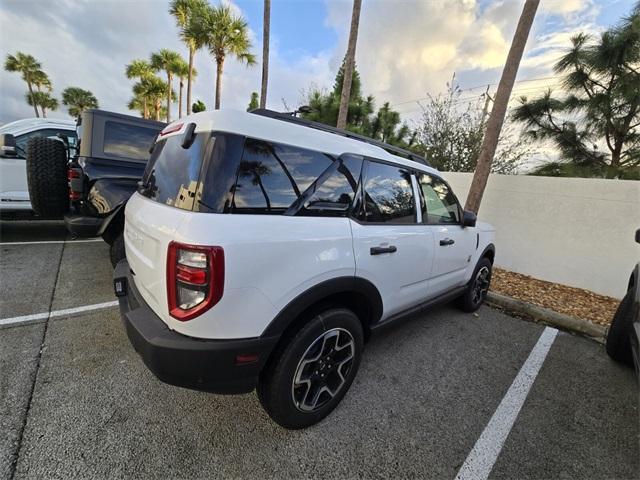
208 365
83 226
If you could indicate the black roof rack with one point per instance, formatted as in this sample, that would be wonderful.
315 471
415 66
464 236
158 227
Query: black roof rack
288 117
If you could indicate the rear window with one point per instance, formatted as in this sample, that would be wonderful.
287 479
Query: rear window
172 173
128 141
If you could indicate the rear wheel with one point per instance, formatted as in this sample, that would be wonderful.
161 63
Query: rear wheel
116 250
619 335
312 372
47 177
478 287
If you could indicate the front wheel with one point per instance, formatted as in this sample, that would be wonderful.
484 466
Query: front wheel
311 373
478 287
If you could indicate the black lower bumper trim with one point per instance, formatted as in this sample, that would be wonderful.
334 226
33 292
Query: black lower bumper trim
83 226
208 365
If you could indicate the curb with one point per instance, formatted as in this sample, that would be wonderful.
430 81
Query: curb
548 317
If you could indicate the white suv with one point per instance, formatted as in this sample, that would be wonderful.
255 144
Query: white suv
263 250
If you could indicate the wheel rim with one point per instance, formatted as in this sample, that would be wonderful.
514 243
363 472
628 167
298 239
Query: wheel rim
481 285
322 371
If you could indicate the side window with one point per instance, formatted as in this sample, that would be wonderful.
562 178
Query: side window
335 194
128 141
388 195
22 140
438 204
272 176
172 173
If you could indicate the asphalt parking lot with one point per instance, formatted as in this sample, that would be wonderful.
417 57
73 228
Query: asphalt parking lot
76 401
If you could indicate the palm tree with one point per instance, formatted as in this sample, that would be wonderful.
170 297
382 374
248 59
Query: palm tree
182 72
78 100
227 35
166 60
266 26
188 14
44 100
41 80
140 69
27 65
255 171
152 90
349 63
500 103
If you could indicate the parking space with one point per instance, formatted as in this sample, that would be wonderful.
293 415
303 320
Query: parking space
425 393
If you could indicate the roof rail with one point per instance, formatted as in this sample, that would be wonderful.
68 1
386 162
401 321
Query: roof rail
288 117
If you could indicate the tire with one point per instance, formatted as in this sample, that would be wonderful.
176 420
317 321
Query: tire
300 355
478 286
116 250
47 177
619 335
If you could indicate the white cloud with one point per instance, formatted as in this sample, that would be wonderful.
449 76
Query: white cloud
406 48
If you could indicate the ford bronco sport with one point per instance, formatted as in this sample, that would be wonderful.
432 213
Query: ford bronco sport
262 250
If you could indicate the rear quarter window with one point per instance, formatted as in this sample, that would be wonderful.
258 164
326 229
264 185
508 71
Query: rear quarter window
171 176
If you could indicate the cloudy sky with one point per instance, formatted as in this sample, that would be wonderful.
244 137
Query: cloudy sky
406 48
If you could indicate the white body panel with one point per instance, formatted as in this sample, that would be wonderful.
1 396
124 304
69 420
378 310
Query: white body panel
14 189
271 259
402 277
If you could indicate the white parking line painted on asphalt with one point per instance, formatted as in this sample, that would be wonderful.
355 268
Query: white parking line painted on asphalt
56 313
45 242
485 452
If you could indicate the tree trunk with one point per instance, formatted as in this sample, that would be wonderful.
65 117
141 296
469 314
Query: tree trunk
500 103
265 52
219 67
180 99
145 111
157 107
168 97
264 192
348 65
33 99
44 112
189 79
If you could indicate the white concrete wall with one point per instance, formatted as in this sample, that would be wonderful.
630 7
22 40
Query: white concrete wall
573 231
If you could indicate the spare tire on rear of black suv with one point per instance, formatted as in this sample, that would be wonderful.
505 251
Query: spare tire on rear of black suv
47 177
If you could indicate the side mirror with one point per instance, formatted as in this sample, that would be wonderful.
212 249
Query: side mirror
469 219
638 236
8 145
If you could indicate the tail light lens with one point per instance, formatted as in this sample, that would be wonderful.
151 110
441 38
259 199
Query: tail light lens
74 175
195 279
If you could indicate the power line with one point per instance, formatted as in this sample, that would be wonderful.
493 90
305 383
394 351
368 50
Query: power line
476 87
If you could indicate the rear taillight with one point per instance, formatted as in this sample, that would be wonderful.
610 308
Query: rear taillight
195 279
74 175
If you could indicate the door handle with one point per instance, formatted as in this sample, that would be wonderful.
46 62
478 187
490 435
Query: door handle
447 241
381 250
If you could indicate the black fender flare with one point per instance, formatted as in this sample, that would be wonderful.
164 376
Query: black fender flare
324 290
489 250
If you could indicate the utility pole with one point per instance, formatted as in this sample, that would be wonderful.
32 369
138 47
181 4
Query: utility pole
485 109
496 119
349 62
